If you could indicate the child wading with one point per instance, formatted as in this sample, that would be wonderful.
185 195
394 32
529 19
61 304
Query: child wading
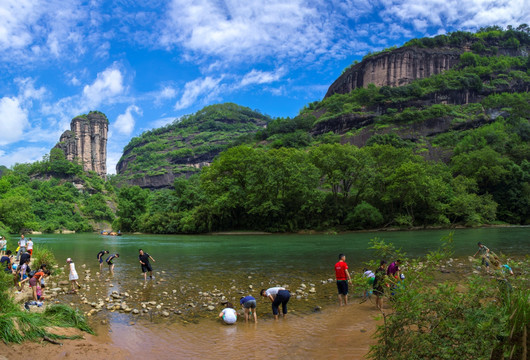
73 277
228 314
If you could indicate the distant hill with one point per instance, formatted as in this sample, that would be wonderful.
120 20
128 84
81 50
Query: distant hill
155 158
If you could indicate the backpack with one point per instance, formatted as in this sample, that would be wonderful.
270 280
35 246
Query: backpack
31 273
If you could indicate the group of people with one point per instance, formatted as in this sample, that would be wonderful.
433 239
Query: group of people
20 268
277 295
378 280
375 279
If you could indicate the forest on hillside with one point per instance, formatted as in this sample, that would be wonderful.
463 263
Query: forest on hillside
289 177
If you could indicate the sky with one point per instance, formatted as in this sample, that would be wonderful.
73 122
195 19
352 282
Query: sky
145 63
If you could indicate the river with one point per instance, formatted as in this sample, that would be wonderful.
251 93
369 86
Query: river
196 271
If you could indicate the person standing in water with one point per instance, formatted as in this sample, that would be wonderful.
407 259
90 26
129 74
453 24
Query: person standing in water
249 304
343 276
146 266
277 295
485 254
73 277
100 258
110 263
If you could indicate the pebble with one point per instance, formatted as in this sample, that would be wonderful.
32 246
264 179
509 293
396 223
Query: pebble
312 290
211 308
165 314
250 287
135 311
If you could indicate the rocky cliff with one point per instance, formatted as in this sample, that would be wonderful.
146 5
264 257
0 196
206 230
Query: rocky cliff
86 142
395 68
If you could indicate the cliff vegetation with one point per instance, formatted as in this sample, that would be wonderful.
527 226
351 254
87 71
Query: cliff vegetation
155 158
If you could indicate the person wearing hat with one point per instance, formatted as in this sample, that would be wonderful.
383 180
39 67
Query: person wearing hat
73 277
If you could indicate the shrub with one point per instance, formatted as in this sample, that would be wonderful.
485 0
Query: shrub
43 255
364 216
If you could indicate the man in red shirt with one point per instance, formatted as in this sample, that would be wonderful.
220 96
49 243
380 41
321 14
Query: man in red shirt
343 276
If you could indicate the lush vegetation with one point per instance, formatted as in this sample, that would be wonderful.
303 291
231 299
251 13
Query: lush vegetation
17 325
278 175
42 197
205 133
477 317
283 178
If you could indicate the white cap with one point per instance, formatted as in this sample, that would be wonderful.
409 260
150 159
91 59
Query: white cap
68 260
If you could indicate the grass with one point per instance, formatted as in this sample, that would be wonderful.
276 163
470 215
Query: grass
17 325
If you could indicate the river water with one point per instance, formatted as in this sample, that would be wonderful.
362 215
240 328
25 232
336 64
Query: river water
195 271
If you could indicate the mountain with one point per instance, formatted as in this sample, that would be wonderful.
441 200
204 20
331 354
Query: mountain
155 158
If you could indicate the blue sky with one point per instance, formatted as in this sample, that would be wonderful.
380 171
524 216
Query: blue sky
144 63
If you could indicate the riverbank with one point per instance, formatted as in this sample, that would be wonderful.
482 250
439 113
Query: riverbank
330 333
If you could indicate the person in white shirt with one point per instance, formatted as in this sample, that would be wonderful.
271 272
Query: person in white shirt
21 246
277 295
30 246
370 276
228 314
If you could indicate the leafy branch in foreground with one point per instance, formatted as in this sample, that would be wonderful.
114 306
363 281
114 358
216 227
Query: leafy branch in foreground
475 317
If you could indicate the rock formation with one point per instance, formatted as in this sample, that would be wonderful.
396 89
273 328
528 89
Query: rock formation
395 68
86 142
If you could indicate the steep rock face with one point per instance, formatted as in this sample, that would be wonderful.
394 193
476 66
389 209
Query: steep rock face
395 68
86 141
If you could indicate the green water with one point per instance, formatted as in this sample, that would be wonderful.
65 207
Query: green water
223 255
192 272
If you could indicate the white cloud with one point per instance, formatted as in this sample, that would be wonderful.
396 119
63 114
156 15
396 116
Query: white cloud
27 90
108 85
261 77
125 122
112 160
34 30
166 93
206 87
163 122
13 120
469 14
239 30
22 155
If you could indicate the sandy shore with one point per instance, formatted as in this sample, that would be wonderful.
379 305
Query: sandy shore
323 335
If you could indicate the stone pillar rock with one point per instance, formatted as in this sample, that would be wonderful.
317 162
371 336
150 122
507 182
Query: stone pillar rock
87 142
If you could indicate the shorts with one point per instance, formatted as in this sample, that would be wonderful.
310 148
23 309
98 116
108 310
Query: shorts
371 280
378 291
147 267
101 260
3 249
109 263
485 261
342 286
33 282
30 252
250 304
